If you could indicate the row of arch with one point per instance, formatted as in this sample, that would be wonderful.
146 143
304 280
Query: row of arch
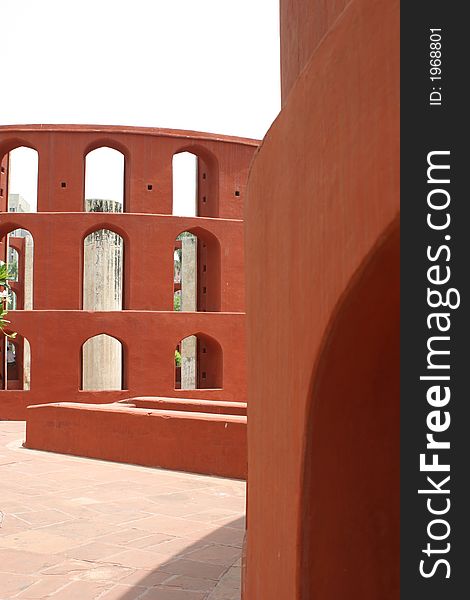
195 181
196 271
198 364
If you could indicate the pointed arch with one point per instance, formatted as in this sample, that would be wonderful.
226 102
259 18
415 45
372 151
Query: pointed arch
103 269
17 250
195 182
105 178
102 363
199 363
197 271
19 173
16 364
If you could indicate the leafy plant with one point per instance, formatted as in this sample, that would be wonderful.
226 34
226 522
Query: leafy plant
177 358
5 276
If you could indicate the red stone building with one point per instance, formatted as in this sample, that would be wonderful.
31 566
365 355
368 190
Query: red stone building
147 327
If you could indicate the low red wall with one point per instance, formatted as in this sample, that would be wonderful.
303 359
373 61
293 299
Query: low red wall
182 441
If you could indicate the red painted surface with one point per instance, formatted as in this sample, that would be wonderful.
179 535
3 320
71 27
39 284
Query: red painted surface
3 187
323 424
148 328
182 441
188 404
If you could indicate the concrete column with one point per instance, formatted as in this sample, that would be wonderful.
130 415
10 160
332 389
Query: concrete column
102 363
26 365
102 290
28 272
28 305
189 303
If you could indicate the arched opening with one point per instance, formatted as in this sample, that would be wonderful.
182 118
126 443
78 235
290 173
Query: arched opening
195 184
196 272
185 173
104 180
102 364
198 363
16 364
17 248
350 497
13 262
22 187
103 271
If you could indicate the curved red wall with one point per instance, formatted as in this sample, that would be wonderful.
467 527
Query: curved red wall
148 328
323 204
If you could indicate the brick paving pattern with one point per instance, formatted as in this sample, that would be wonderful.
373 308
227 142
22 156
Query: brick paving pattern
80 529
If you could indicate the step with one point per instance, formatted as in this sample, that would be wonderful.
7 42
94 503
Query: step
188 404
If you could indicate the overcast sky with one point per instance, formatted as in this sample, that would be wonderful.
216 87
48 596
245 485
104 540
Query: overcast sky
206 65
209 65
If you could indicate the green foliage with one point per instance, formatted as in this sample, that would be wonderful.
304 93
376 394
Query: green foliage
177 358
5 276
14 270
177 302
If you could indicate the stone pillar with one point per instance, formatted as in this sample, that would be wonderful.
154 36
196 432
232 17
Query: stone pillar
26 365
189 303
28 272
102 290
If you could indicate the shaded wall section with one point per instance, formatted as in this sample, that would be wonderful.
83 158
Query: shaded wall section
330 169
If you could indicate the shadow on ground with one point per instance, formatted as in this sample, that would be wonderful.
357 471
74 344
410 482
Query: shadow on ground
207 569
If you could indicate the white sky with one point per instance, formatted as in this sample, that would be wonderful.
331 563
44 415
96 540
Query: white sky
206 65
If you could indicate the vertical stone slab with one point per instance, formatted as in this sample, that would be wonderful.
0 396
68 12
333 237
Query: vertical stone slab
102 290
189 303
28 272
26 365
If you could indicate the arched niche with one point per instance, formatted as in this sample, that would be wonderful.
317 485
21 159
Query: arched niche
19 168
197 271
104 180
350 494
102 364
15 372
198 363
103 270
17 250
195 183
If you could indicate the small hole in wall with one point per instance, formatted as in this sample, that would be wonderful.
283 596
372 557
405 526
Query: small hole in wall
63 184
204 199
204 268
204 290
1 192
3 169
237 193
204 350
204 375
150 187
203 175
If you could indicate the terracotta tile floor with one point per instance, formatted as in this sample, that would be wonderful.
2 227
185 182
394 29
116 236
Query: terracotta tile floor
74 528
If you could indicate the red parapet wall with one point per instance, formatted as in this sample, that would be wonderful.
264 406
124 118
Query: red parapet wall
147 327
182 441
189 405
323 254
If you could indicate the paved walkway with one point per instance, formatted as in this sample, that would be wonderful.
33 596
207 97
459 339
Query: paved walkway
81 529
